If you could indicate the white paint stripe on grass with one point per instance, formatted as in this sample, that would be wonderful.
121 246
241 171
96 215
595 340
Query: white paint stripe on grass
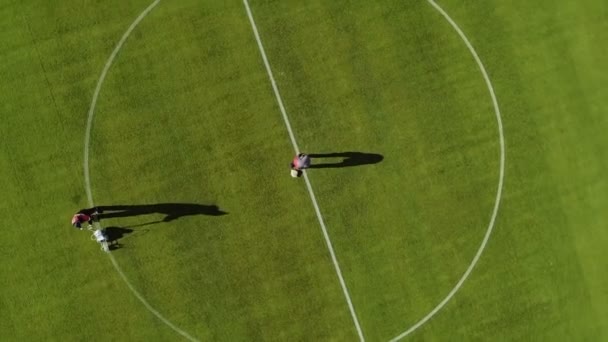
500 179
146 304
87 179
102 77
308 185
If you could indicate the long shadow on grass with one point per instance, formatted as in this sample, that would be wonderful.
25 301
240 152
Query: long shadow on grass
114 234
347 159
172 211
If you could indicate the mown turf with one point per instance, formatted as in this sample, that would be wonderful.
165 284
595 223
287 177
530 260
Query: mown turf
260 272
367 83
547 69
187 115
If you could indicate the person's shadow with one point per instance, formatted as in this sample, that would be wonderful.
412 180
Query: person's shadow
171 210
347 159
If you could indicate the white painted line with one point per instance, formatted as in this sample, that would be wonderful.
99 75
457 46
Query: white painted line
87 179
310 191
102 77
500 180
146 304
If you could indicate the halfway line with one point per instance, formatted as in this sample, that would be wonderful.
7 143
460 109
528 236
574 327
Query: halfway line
310 191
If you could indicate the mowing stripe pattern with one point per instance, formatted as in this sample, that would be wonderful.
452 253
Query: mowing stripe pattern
500 179
307 181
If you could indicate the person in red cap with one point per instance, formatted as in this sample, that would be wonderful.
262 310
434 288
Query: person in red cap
83 216
80 218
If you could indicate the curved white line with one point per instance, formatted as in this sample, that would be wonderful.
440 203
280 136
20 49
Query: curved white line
87 179
102 77
419 323
146 304
500 180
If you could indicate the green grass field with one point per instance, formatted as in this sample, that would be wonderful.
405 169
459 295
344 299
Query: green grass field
187 115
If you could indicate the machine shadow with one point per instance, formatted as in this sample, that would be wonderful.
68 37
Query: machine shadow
114 234
348 159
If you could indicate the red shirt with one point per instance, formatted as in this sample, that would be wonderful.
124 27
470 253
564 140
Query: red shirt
80 218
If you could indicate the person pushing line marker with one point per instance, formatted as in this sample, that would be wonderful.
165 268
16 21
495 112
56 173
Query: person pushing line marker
83 216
